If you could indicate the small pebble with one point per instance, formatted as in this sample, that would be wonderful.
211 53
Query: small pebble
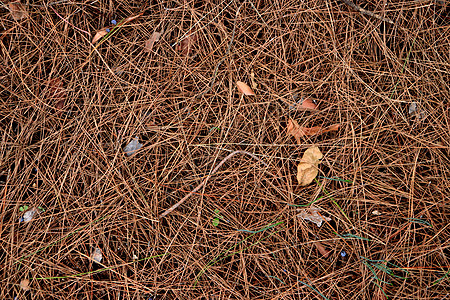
96 255
343 253
114 22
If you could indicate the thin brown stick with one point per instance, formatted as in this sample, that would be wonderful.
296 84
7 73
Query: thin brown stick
367 12
168 211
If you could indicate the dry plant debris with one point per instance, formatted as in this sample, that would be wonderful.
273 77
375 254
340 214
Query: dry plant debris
297 131
308 168
100 34
186 46
312 214
244 88
56 93
18 11
25 284
151 41
69 157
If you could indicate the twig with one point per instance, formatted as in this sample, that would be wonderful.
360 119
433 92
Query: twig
168 211
367 12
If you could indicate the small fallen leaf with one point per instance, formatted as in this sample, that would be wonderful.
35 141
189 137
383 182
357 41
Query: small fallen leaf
151 41
132 147
294 129
307 169
56 92
131 18
101 33
325 253
312 214
187 44
252 78
25 284
306 103
96 255
244 88
18 11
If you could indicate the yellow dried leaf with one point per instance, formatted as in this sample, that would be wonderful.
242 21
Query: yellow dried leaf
18 11
244 88
151 41
307 169
101 33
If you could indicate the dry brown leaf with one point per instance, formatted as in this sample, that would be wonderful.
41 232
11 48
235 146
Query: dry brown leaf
18 11
25 284
307 104
298 131
131 18
56 92
307 169
187 44
244 88
101 33
325 253
312 214
252 78
151 41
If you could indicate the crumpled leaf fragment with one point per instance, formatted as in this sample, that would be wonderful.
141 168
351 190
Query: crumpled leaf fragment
96 255
307 169
298 131
312 214
132 147
18 11
151 41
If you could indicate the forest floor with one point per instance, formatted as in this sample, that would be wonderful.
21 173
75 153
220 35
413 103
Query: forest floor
111 112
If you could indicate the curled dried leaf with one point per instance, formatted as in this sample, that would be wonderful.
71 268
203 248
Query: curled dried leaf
325 253
298 131
307 169
151 41
101 33
18 11
244 88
